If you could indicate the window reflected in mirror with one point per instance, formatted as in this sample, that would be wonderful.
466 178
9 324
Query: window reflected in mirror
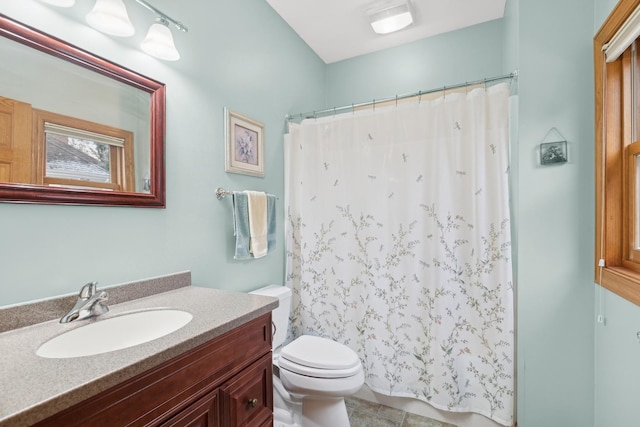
76 159
83 158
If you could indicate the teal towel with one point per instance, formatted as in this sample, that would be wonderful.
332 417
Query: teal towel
271 223
241 225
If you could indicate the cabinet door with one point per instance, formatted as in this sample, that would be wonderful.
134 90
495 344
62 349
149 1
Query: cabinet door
247 399
202 413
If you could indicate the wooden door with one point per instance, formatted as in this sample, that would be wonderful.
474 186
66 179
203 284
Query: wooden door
15 141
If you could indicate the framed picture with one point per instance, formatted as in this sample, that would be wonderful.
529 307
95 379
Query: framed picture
244 138
553 152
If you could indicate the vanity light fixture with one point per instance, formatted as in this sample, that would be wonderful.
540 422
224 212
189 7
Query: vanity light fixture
111 17
390 16
159 41
60 3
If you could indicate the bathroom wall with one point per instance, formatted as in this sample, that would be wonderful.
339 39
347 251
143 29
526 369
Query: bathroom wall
238 54
464 55
617 345
617 361
555 208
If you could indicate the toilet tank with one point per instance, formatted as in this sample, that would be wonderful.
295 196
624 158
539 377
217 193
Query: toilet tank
280 315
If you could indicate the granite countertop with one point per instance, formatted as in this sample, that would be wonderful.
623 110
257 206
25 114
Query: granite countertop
34 388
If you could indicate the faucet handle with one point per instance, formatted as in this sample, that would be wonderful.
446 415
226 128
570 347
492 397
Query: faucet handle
100 306
88 290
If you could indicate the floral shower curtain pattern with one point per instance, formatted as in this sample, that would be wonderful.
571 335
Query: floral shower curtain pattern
398 246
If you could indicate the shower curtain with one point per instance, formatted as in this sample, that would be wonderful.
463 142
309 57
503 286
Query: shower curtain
398 246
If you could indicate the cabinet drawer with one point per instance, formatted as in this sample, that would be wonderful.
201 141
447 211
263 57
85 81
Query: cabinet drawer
203 413
247 400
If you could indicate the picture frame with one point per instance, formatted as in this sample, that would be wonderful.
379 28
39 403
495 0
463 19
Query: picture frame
553 152
244 144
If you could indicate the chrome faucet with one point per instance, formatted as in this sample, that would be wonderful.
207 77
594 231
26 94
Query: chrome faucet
90 303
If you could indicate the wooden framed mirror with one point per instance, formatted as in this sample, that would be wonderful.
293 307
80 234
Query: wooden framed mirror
76 129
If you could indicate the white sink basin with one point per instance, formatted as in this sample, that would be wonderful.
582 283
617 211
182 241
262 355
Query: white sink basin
115 333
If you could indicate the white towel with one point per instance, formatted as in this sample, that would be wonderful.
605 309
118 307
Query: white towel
257 223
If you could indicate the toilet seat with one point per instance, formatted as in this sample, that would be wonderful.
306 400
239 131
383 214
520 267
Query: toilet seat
321 388
318 357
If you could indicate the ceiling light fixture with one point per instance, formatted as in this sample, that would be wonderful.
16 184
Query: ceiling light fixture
390 16
111 17
60 3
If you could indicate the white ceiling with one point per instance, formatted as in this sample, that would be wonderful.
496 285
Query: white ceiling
339 29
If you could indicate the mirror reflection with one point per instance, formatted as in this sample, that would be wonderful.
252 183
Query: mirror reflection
76 129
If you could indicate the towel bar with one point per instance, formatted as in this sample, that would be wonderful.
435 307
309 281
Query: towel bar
221 193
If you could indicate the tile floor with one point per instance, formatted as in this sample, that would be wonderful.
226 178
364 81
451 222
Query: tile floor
363 413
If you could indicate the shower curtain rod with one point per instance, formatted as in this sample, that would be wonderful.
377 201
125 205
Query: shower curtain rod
334 110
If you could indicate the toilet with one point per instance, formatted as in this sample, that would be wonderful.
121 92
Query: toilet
311 375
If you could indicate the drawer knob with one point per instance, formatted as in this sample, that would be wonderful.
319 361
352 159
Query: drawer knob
253 402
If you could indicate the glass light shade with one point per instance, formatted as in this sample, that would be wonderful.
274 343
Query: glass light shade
110 16
60 3
391 19
159 43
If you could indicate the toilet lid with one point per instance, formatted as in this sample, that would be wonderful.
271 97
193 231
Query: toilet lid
321 357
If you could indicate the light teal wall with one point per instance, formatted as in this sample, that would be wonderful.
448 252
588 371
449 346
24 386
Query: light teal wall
617 346
237 53
464 55
555 206
617 357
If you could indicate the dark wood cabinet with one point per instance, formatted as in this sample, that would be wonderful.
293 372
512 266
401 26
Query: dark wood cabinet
224 382
203 413
247 399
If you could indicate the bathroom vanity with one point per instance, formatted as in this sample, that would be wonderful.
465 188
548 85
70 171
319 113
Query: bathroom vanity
224 382
215 371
